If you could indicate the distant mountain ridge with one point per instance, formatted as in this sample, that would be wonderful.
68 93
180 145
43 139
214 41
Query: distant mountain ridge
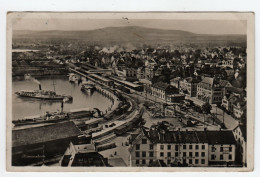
122 34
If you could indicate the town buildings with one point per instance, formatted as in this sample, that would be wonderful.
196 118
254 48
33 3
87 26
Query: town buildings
161 90
209 90
228 63
182 148
239 108
175 82
228 101
240 135
80 155
188 86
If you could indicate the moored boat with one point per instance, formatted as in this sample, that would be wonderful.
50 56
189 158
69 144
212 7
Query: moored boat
88 87
73 77
44 95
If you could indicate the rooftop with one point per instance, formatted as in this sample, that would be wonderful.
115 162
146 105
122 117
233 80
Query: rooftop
206 136
160 85
45 133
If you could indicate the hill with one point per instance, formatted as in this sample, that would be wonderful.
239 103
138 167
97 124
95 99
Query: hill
126 34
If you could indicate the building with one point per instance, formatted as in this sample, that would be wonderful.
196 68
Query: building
228 63
222 147
188 86
182 148
175 82
209 90
149 73
228 101
173 98
240 135
49 140
161 90
239 108
224 84
82 155
142 150
127 73
140 74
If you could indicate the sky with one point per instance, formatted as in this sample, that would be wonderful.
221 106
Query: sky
194 26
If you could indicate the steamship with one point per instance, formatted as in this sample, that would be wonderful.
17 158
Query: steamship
48 117
44 95
55 117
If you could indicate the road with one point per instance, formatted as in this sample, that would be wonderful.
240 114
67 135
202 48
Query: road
229 121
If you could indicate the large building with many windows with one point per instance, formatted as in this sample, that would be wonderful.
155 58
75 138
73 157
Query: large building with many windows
209 90
188 86
182 148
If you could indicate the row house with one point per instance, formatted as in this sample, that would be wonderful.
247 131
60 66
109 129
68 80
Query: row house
182 148
161 90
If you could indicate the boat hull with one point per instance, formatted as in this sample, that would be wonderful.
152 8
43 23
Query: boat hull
58 98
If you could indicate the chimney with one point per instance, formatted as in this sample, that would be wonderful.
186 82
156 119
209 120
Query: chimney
163 133
40 87
205 129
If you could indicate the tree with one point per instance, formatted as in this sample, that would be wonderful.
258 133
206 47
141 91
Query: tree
206 108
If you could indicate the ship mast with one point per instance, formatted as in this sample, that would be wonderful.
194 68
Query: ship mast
54 86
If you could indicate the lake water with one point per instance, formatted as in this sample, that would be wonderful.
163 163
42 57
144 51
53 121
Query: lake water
23 107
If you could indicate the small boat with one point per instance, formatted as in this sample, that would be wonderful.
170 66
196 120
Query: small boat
88 87
27 77
73 78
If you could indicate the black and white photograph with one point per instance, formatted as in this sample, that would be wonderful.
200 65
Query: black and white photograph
141 91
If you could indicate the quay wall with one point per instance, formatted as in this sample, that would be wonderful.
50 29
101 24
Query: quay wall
113 98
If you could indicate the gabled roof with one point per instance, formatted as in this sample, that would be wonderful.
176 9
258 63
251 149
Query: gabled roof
210 137
221 137
224 83
242 103
230 95
160 85
208 80
235 90
191 80
175 79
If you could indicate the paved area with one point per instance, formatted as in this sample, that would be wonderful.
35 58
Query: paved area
229 121
120 151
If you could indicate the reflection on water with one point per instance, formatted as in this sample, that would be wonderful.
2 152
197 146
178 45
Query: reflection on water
23 107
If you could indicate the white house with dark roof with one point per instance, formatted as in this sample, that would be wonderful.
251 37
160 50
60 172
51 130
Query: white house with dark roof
161 90
228 101
182 148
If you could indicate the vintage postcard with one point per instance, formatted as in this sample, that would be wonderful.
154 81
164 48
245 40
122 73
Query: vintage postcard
135 92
